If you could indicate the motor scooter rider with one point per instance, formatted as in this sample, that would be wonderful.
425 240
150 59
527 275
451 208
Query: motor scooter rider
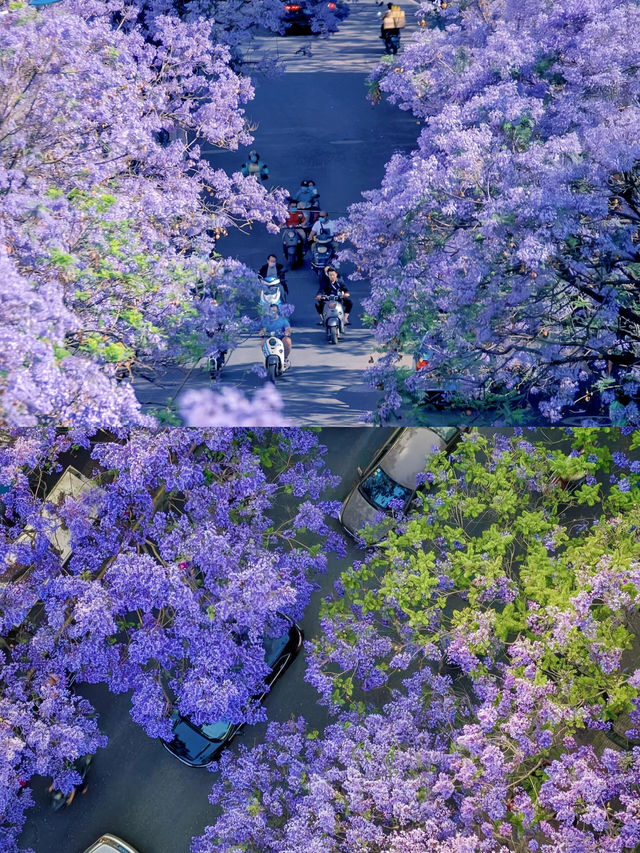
307 194
322 225
334 286
273 268
296 218
279 327
324 275
215 327
389 27
255 166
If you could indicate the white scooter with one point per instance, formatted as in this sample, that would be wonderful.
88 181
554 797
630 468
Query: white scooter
271 293
333 318
274 360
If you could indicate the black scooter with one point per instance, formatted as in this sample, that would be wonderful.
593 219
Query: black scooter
391 42
321 252
293 246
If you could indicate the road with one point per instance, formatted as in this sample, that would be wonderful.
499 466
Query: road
313 121
136 788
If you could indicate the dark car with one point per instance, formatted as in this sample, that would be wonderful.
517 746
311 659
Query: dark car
199 746
297 13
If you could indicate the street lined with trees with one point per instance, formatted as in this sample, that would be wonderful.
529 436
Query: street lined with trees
503 251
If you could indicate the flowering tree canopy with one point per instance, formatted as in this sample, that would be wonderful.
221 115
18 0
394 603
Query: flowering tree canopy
160 578
499 621
109 211
503 251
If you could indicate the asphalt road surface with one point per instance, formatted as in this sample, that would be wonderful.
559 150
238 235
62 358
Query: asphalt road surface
139 791
313 121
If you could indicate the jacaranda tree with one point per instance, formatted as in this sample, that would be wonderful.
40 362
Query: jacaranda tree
482 664
109 211
503 251
184 552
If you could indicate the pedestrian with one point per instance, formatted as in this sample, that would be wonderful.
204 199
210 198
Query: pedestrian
273 268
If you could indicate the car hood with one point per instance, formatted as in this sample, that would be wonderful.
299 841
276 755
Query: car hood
190 745
356 512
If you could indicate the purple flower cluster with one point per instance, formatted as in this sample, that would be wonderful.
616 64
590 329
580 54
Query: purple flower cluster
98 274
506 663
176 573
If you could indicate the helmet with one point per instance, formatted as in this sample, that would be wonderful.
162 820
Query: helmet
253 155
307 183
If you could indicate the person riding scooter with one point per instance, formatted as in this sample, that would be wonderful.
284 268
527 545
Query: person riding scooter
279 327
255 166
393 21
274 269
333 287
307 194
323 225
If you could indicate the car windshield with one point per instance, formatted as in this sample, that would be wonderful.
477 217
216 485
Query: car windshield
379 489
215 731
446 433
274 647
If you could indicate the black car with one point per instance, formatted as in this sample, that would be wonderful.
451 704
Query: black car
297 13
199 746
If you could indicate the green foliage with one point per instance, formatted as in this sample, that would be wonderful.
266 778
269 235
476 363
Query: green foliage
517 515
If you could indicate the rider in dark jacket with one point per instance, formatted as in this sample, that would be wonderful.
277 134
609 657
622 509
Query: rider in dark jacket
334 286
274 267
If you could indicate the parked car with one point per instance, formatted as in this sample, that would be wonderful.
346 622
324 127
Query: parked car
199 746
390 478
71 483
297 14
107 843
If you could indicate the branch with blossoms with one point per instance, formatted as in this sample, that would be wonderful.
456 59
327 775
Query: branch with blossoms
496 617
508 235
108 269
185 547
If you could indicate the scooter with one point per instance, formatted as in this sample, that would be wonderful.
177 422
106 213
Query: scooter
271 293
333 317
274 360
217 359
321 252
58 799
391 43
293 246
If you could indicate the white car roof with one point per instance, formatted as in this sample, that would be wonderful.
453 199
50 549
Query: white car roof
108 843
408 455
